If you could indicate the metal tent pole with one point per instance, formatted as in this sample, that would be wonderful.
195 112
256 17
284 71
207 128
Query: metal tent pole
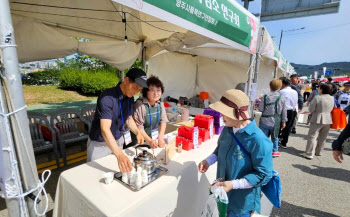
254 72
9 173
275 72
249 83
258 55
15 102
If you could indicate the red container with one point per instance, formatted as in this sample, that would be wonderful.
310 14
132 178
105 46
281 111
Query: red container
204 134
186 143
186 132
203 121
204 95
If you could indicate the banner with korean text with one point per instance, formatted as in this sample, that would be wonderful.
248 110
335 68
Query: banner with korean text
225 21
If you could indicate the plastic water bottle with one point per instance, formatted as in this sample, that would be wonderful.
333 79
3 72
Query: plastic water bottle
174 114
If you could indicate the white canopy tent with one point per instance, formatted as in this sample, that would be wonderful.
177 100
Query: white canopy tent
44 30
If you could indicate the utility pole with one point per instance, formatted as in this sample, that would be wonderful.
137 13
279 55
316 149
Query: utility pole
246 3
282 31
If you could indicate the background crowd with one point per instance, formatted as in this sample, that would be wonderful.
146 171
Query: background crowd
281 107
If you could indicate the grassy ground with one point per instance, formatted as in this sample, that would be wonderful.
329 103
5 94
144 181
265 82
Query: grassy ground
35 95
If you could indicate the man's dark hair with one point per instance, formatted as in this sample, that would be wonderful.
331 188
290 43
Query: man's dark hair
330 79
153 80
285 81
294 75
326 88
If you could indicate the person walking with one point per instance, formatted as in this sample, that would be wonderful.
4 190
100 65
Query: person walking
320 122
294 85
343 96
274 114
307 91
242 175
291 97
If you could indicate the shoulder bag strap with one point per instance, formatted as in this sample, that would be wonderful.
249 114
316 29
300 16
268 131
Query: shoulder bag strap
278 99
241 146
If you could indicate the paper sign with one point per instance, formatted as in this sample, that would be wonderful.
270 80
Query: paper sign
253 91
211 129
195 137
315 74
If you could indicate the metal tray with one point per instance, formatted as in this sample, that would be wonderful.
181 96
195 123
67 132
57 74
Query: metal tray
151 178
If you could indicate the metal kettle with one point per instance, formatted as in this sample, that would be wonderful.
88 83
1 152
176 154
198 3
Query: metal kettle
145 159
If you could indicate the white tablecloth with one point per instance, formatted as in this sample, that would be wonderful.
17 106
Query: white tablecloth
182 192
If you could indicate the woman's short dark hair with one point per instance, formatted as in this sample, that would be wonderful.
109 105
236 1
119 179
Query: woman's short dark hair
314 86
326 88
153 80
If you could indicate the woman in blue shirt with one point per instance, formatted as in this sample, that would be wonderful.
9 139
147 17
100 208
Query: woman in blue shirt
243 175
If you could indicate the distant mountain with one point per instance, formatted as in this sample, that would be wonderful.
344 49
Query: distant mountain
339 68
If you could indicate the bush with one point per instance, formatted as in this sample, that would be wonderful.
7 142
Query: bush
88 82
71 78
46 77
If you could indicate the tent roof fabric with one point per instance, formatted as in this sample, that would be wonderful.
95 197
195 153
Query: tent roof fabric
44 30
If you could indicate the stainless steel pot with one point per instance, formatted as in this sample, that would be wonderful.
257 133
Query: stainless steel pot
145 159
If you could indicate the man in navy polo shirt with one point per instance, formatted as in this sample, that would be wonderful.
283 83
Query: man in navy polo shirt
113 120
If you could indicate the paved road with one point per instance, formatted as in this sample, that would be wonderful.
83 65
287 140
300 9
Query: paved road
318 187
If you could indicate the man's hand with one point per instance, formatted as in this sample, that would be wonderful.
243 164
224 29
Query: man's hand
283 125
227 185
307 103
299 110
140 138
124 163
203 166
161 142
338 156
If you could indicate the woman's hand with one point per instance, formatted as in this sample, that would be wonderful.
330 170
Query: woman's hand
203 166
153 144
227 185
161 142
140 139
307 103
338 156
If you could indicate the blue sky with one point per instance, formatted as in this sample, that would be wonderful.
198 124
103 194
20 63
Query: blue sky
312 45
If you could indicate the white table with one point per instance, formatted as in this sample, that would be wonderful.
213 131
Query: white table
182 192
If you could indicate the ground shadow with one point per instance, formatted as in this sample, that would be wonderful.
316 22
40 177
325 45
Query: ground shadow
299 135
187 205
290 210
291 150
326 172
